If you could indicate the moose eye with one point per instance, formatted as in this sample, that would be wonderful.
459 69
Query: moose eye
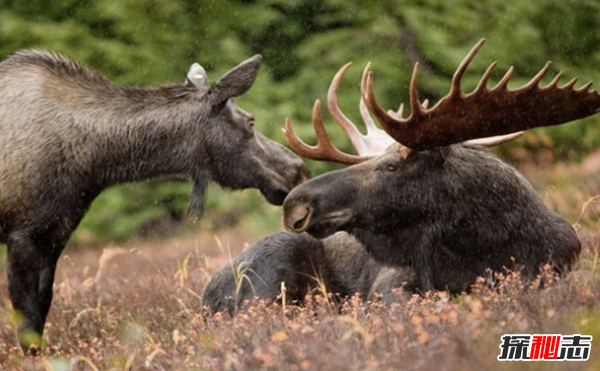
251 123
391 167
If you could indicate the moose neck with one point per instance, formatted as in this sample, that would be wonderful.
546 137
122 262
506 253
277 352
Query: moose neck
141 134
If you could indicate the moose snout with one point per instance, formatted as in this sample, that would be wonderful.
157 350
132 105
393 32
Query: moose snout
296 172
296 216
303 173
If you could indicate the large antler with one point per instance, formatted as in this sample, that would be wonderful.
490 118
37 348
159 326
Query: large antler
366 146
485 112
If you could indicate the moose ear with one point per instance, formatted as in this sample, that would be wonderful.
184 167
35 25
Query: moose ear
235 82
196 76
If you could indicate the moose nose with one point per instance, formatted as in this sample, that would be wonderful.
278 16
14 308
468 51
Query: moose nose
304 175
299 173
297 217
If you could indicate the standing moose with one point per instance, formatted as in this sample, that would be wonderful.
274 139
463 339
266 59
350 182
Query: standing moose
68 133
432 211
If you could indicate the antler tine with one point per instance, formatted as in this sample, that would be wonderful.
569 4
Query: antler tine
364 86
366 94
537 78
570 84
555 80
388 123
584 88
462 67
364 113
415 106
338 116
484 79
504 81
363 107
400 110
324 150
494 141
376 139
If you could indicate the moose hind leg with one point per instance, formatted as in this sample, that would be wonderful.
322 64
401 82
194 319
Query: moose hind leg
23 262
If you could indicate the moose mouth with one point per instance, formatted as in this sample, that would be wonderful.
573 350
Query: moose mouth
277 189
276 192
275 197
318 226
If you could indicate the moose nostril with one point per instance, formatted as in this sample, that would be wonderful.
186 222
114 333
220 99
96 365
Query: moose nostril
298 225
297 219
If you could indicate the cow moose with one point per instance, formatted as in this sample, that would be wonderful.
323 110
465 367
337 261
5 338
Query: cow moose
431 208
68 133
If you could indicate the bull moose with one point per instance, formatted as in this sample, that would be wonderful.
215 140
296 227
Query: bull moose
68 133
445 208
423 196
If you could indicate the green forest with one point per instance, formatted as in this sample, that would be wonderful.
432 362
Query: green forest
304 43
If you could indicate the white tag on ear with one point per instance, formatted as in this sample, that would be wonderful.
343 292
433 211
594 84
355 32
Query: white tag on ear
197 76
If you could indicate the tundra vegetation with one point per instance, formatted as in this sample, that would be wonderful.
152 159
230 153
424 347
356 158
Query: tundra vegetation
136 306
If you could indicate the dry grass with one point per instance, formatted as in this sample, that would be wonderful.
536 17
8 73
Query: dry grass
137 307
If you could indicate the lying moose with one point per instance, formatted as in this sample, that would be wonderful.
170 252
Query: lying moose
68 133
338 265
424 199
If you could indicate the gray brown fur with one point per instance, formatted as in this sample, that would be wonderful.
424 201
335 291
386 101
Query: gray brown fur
68 133
295 260
304 264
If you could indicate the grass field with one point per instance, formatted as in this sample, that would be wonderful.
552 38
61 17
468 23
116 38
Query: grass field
137 307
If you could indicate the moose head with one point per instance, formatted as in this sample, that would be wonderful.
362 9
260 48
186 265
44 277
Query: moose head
230 150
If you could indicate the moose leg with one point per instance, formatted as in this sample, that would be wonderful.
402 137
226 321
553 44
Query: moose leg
46 278
54 242
23 262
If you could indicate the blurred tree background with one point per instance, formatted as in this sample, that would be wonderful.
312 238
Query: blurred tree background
304 43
